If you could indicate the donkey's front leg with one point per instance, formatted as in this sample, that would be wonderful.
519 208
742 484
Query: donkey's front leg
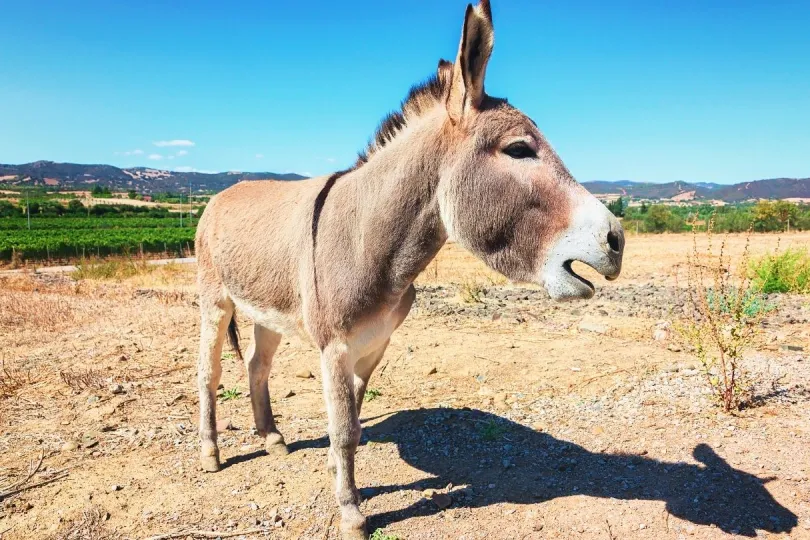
344 434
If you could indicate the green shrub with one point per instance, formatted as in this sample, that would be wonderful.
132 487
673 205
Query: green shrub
788 271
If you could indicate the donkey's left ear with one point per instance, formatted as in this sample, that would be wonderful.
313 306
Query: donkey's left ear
469 69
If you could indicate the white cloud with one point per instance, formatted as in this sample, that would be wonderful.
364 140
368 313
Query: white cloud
186 168
136 152
259 156
170 156
174 142
330 160
181 153
155 156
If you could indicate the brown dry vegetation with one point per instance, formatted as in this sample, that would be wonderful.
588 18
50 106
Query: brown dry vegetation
529 419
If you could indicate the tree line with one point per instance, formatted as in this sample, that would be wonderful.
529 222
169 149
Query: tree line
763 216
75 208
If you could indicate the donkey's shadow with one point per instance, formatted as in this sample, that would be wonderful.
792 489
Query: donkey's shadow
502 461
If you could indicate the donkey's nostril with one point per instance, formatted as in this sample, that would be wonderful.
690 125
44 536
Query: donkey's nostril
613 241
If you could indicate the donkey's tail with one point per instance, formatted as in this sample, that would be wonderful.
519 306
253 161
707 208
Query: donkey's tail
233 336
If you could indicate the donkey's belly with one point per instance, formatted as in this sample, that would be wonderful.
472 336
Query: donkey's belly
288 324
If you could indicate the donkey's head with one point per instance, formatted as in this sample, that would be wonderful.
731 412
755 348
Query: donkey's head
503 192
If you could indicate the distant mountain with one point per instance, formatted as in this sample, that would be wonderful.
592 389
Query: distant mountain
141 179
774 188
147 180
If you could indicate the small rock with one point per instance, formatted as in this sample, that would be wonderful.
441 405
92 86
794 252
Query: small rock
115 487
70 446
254 506
304 374
431 371
224 425
596 328
598 430
116 389
89 442
287 393
674 347
92 399
181 350
796 348
662 331
442 500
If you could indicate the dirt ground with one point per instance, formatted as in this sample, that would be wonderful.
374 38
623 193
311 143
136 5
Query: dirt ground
502 416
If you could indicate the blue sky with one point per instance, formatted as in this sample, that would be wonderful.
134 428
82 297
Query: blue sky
696 90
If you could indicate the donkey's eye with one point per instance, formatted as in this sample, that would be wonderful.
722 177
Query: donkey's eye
519 150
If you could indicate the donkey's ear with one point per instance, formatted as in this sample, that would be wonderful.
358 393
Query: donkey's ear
477 39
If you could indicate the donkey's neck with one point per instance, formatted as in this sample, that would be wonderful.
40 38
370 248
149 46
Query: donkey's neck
397 222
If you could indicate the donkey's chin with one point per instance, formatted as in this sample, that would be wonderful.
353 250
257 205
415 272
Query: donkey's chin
562 284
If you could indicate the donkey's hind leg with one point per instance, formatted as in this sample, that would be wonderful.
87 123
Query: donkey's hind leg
258 362
215 317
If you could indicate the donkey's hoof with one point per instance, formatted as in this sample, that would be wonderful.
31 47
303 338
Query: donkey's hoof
352 524
274 445
348 532
209 459
278 449
209 463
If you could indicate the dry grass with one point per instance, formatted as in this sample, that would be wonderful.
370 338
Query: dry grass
82 379
471 291
12 378
721 319
45 312
89 525
117 269
43 283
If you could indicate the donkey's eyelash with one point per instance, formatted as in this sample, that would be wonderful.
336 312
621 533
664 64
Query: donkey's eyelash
519 150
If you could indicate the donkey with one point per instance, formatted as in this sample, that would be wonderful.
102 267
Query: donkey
334 258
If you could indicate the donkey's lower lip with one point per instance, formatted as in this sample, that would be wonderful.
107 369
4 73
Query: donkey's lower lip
570 271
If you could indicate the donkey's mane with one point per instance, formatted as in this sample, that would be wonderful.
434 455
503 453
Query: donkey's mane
421 97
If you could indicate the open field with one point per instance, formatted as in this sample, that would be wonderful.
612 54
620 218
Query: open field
496 414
